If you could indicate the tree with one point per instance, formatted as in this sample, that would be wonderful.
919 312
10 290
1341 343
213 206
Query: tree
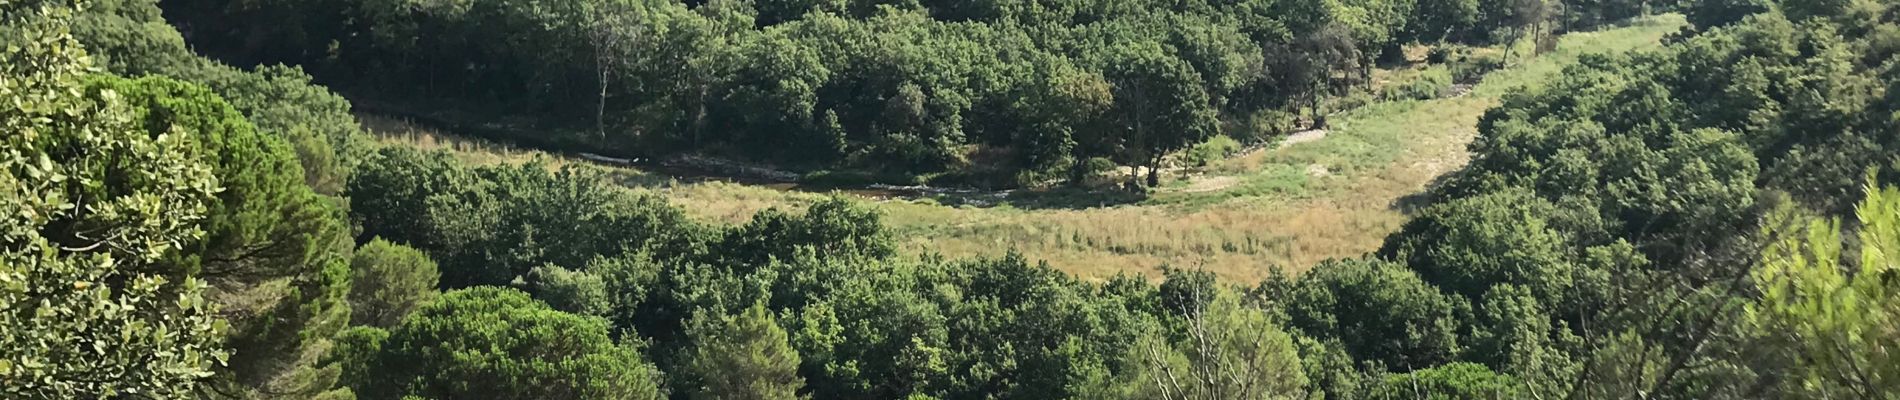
578 292
1467 245
275 252
496 343
1160 104
1710 14
1226 350
93 203
390 281
1378 310
1508 21
490 225
1835 320
836 227
1452 381
1443 20
743 357
266 223
389 195
613 31
131 38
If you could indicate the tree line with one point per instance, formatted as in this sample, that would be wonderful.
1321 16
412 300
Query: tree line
1700 221
993 93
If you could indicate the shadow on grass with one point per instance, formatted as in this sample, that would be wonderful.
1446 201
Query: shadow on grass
1433 194
1063 198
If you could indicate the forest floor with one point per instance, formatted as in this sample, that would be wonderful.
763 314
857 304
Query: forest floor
1335 196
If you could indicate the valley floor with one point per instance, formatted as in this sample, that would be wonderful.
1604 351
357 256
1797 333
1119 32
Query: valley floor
1289 207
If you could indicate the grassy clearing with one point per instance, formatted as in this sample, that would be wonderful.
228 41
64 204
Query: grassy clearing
1244 216
1284 208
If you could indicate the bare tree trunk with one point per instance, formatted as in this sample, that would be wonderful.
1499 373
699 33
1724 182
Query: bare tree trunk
600 104
610 35
699 115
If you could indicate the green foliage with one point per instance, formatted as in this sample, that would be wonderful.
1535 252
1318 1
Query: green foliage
1447 382
835 227
275 250
1440 20
1512 332
741 357
1210 151
1468 67
1428 84
1379 312
1829 314
913 89
489 225
131 38
1630 185
94 205
1587 251
1508 237
570 291
390 281
1227 350
1709 14
495 343
265 218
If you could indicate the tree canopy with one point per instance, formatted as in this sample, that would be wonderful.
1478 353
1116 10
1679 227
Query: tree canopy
1659 224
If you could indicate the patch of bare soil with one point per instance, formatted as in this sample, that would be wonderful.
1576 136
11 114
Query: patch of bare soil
1303 137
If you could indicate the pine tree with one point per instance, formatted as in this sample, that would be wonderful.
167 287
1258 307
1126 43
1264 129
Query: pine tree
1837 321
743 357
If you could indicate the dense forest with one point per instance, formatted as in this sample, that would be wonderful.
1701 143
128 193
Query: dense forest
1703 221
989 93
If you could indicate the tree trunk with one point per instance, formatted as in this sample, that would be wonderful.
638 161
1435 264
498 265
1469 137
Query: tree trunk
699 116
1319 117
1076 170
600 104
1154 168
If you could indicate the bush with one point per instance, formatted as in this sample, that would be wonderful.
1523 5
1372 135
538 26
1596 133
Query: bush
1471 67
1445 53
1098 165
1214 149
1449 381
1348 102
1263 125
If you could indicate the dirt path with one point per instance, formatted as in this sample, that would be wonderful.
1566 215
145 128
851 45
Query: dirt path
1302 137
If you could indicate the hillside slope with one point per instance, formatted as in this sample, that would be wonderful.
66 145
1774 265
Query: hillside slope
1290 207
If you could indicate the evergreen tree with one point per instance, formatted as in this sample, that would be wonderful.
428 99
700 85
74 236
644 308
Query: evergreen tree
1833 314
494 343
743 357
390 281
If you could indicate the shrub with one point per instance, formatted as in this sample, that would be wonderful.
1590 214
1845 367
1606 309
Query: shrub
1263 125
1214 149
1471 67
